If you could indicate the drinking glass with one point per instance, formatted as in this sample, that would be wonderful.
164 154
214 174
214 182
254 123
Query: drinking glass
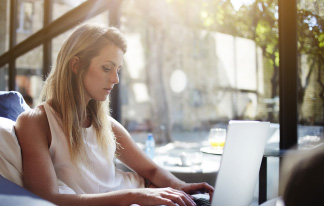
217 137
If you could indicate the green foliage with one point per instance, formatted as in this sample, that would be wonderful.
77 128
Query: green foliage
310 33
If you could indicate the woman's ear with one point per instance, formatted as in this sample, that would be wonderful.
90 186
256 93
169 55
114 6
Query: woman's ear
75 64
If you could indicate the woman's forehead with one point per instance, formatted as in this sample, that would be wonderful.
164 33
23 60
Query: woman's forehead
110 53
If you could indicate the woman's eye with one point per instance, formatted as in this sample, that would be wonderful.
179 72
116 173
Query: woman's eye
105 68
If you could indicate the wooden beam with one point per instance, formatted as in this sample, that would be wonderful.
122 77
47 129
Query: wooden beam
79 14
12 43
47 47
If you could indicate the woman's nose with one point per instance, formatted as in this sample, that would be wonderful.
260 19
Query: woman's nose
114 78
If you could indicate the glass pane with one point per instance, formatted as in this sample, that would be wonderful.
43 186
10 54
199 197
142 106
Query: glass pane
311 77
4 26
29 75
30 17
194 65
4 76
60 7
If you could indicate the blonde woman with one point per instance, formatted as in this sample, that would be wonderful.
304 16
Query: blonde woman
69 141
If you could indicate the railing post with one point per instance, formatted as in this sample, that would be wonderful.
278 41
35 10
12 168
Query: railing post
12 43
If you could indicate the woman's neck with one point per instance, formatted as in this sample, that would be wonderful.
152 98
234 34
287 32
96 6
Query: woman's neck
87 122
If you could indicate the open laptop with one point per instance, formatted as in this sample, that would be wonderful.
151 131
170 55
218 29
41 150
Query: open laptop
240 163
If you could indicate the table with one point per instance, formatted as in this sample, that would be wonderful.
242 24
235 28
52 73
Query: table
168 157
206 172
263 168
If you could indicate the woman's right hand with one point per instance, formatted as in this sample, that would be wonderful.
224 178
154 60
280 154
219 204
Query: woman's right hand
162 196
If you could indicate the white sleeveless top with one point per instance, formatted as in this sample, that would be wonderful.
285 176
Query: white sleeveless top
99 176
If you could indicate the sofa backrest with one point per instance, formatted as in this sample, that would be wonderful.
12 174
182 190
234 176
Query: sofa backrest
12 104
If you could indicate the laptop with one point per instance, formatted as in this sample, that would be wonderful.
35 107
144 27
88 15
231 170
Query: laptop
240 163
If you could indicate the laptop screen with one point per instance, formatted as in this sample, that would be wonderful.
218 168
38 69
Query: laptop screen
240 163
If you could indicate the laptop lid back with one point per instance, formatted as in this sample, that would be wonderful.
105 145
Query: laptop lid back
240 163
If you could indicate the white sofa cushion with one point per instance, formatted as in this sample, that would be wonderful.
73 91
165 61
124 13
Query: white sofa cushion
10 153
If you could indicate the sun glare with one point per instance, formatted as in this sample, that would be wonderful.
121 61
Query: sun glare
238 3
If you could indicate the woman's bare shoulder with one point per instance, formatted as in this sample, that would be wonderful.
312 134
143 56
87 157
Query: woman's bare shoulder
33 116
32 123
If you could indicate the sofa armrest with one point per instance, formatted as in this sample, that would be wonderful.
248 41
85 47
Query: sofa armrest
12 194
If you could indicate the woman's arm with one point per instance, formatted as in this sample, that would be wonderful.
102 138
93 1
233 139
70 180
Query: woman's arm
34 137
32 130
130 154
136 159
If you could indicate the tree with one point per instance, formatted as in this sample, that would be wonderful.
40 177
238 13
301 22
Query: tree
310 43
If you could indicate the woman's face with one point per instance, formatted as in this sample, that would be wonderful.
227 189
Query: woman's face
102 73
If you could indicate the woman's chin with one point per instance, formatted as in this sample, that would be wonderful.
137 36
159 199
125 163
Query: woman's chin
104 98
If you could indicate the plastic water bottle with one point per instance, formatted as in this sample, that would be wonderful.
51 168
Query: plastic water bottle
150 146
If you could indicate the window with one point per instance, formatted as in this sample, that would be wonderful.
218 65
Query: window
194 65
25 17
4 26
28 20
310 23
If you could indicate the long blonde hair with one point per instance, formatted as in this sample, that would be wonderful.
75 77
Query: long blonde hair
64 89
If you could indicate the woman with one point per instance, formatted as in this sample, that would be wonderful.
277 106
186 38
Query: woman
68 143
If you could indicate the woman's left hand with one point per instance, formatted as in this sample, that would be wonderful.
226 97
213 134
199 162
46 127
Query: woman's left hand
194 188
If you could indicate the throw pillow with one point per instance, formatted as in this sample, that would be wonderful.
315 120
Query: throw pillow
10 153
12 104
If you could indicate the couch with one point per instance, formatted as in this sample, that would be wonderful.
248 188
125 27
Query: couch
12 104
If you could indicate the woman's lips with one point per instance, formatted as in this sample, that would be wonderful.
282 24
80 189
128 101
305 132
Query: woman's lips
108 90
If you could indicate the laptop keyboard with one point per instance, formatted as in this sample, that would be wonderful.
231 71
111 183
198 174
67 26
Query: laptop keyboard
202 202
